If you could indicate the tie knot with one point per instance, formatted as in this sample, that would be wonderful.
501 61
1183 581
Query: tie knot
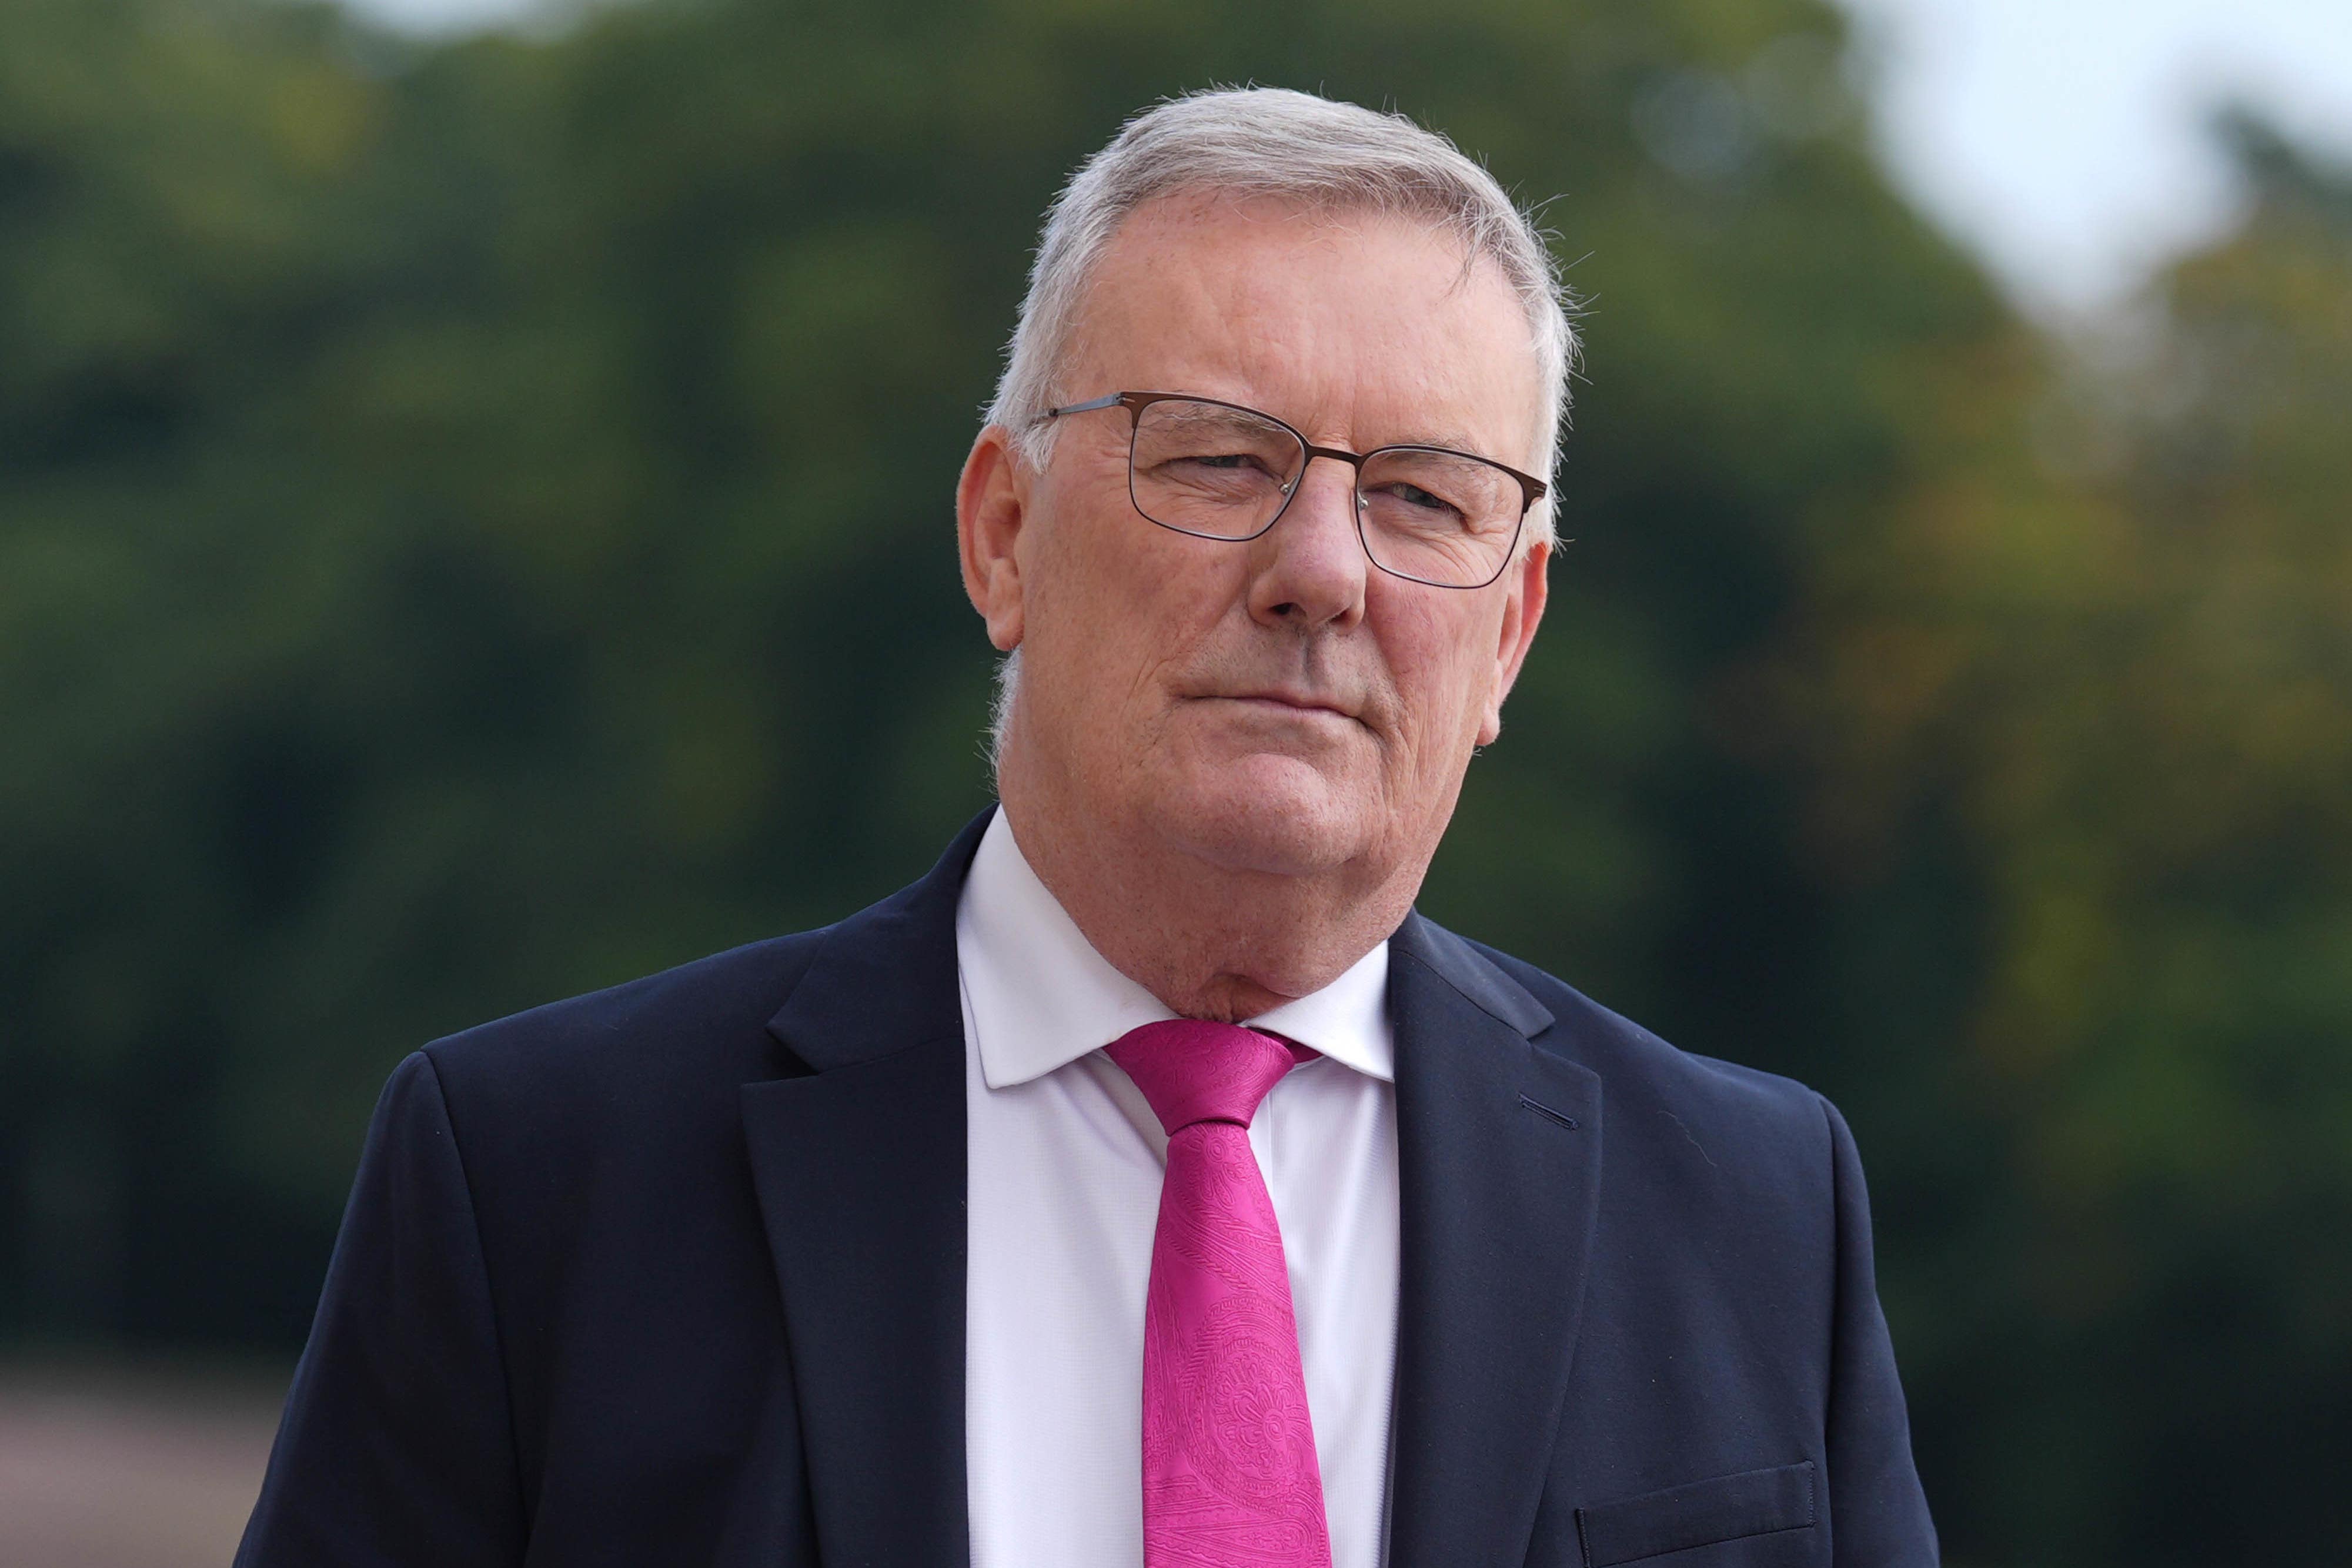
1192 1070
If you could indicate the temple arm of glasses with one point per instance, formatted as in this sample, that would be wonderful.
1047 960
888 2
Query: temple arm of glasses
1080 407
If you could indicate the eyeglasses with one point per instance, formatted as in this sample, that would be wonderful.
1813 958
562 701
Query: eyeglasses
1219 471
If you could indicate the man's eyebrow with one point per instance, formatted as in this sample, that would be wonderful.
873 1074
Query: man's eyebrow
1452 440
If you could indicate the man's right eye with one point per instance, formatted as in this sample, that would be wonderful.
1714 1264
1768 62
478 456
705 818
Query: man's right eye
1218 466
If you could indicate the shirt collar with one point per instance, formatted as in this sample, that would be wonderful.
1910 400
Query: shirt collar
1042 997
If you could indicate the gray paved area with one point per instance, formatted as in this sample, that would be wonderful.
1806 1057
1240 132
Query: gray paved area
106 1467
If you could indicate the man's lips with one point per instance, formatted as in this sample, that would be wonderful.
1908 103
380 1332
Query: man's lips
1291 702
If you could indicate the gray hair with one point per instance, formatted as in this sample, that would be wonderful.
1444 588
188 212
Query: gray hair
1251 143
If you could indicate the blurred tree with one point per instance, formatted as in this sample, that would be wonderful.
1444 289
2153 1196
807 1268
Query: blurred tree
474 526
477 518
2080 708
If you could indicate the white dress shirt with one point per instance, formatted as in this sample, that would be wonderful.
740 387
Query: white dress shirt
1064 1189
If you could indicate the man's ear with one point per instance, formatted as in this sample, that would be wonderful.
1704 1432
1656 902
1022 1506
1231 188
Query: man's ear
1530 584
992 504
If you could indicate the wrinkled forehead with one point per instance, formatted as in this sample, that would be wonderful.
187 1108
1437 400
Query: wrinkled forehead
1361 328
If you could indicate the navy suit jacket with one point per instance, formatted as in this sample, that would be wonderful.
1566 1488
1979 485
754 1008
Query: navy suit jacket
675 1275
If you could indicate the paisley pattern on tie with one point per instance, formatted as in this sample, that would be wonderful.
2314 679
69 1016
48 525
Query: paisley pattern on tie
1229 1475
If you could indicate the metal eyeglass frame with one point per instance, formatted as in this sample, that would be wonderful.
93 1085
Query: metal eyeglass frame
1531 489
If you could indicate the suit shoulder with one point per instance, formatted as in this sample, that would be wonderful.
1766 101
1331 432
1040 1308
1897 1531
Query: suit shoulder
703 1019
1709 1102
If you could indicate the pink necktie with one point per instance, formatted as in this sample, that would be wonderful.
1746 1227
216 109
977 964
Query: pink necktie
1229 1469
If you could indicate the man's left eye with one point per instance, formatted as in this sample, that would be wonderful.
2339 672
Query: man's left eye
1414 495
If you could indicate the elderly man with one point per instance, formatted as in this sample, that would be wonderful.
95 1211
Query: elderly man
1149 1183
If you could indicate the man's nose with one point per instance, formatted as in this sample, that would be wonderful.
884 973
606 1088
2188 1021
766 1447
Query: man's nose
1308 571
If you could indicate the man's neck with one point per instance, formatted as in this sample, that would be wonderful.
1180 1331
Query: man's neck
1209 941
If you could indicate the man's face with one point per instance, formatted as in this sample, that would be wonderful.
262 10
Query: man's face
1278 706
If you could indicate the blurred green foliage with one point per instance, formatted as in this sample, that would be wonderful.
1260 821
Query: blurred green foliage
474 526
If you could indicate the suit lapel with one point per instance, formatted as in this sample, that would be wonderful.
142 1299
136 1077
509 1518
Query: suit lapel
860 1172
1498 1152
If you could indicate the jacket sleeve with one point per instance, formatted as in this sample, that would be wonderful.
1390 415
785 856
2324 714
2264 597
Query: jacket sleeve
397 1441
1878 1515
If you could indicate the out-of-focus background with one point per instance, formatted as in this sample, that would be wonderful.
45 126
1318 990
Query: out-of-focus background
475 526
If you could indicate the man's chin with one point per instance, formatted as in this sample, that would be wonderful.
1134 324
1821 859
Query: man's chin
1271 814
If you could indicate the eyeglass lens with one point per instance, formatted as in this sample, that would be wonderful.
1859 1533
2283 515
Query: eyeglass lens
1224 472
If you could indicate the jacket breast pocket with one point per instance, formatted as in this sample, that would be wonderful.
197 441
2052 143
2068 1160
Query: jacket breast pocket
1698 1514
